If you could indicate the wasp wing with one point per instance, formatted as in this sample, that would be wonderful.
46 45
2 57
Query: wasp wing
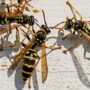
44 64
21 54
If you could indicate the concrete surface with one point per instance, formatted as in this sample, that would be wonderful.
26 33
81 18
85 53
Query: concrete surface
66 71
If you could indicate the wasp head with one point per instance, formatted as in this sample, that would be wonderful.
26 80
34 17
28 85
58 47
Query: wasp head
47 30
68 24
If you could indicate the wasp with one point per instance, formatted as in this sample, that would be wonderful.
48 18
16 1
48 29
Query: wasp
29 53
74 25
21 20
14 18
8 17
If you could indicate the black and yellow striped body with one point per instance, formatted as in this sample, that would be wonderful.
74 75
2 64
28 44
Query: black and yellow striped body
3 20
86 29
29 63
81 26
31 56
24 19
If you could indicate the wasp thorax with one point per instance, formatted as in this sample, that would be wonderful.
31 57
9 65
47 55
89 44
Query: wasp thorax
41 35
68 24
47 30
78 25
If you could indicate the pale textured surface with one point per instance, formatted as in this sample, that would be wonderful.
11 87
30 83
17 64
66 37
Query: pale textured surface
66 72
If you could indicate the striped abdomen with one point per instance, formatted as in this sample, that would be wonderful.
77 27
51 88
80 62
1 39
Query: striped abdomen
3 20
29 64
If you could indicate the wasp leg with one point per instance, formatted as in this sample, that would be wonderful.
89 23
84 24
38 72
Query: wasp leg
17 36
73 46
53 47
57 25
29 83
72 8
25 34
33 29
68 36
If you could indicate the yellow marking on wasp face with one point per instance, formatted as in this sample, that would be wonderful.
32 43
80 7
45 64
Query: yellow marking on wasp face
26 72
31 58
30 66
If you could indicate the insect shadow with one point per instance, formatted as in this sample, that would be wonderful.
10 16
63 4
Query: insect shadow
19 83
67 43
7 51
82 76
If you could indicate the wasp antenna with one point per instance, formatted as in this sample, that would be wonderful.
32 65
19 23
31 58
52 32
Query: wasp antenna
8 9
37 24
44 17
36 20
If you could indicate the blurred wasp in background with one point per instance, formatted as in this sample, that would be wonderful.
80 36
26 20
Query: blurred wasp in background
21 21
29 53
16 17
75 25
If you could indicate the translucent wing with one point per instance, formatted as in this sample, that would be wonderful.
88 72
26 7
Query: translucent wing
21 54
44 64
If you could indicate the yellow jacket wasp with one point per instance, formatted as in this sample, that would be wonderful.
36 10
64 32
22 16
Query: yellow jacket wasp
79 26
16 17
21 20
29 53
